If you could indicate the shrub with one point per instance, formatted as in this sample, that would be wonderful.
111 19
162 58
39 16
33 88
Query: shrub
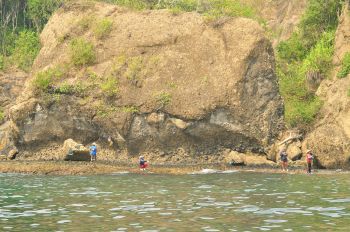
43 80
300 113
92 76
211 9
102 28
135 65
7 43
301 106
109 87
66 89
348 92
105 110
345 68
82 52
319 17
39 11
292 49
219 8
118 63
163 98
27 46
320 56
70 89
2 62
130 109
2 114
309 50
85 23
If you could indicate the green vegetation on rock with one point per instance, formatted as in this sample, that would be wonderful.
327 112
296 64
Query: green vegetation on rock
27 46
2 62
135 65
130 109
102 28
82 52
345 68
109 87
305 59
163 99
2 114
70 89
44 79
212 9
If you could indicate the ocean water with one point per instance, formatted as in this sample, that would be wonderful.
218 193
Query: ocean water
150 203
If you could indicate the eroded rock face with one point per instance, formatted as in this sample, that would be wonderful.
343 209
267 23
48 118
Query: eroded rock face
330 138
282 16
11 86
200 87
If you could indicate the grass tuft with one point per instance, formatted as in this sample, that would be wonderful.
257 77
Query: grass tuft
345 68
82 52
44 79
102 28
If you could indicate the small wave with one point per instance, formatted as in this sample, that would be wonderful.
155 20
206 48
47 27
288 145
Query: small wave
344 200
120 173
213 171
63 221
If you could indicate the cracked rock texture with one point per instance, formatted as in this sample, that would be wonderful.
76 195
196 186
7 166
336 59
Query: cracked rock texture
182 83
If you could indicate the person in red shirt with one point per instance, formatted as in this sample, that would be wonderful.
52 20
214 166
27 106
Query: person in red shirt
309 159
143 163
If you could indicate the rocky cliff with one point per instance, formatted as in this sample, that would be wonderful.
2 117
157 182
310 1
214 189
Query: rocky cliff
330 138
159 83
281 17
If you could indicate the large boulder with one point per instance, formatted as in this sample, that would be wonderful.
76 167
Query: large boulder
75 151
181 83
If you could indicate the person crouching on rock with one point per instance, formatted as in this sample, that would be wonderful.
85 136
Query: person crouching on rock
93 152
309 159
143 163
284 160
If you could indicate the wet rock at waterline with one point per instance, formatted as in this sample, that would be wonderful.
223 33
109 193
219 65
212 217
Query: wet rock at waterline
75 151
177 82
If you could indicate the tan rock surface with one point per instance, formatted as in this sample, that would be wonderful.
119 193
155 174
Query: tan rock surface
330 139
214 83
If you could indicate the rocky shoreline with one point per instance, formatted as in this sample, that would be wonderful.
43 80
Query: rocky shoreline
103 167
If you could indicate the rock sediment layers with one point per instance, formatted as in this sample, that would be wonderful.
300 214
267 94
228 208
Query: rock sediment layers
182 83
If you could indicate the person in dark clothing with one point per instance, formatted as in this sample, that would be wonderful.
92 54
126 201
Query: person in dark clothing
143 163
284 160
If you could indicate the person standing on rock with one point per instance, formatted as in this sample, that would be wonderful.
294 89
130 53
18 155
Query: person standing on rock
284 160
93 152
309 160
142 163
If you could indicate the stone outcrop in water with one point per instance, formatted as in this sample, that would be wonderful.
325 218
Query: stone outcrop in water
74 151
180 83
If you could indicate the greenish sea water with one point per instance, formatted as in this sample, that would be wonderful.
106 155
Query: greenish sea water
210 202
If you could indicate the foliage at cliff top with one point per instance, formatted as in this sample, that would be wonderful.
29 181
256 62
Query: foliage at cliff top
210 8
32 15
20 23
308 53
